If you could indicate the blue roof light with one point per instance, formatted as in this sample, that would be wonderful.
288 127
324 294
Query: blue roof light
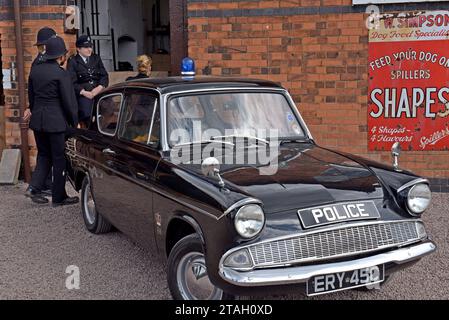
188 67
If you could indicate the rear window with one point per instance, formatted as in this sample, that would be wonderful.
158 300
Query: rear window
108 112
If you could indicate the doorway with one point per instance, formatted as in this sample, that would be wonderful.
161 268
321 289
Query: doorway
122 30
2 103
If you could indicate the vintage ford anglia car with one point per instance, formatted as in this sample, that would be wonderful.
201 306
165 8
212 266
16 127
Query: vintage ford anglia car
176 164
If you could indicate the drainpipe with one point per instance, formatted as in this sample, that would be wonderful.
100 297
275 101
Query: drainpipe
22 96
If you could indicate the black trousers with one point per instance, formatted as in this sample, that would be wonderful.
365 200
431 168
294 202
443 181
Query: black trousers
84 109
47 185
50 153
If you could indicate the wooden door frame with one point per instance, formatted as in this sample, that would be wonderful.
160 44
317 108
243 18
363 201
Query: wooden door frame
178 34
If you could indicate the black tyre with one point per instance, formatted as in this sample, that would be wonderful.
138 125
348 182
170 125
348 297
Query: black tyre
93 220
187 272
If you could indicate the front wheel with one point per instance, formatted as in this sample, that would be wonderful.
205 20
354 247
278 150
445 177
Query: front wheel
187 272
93 220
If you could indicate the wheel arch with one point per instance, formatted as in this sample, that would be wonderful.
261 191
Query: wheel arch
179 227
79 177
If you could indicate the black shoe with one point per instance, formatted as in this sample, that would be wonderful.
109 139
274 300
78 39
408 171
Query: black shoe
47 193
67 202
36 196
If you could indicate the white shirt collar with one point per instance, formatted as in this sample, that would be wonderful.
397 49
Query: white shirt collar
84 58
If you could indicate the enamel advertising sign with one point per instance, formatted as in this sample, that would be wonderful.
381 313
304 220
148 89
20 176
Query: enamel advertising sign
408 71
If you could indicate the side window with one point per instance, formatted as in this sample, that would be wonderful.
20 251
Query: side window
140 121
108 113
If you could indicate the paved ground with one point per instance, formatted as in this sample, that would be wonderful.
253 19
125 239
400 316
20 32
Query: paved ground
37 244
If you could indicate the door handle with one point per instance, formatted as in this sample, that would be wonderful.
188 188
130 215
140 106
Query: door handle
109 152
142 176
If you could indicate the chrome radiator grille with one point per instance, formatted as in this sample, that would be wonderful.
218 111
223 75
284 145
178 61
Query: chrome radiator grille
70 146
334 243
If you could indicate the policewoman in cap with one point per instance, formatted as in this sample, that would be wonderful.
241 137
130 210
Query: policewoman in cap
89 77
43 36
54 109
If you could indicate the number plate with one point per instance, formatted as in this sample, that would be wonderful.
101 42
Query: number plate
339 212
345 280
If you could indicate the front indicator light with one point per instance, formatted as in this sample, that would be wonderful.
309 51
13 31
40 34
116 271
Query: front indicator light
239 259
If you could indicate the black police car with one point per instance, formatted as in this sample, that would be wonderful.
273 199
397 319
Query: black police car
185 168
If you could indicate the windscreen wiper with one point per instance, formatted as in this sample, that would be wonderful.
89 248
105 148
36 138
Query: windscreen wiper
204 142
293 140
217 138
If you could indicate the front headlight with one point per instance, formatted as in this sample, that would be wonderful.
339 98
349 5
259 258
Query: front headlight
249 221
418 198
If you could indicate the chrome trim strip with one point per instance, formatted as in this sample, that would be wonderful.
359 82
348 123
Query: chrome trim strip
302 274
412 183
152 122
163 110
241 203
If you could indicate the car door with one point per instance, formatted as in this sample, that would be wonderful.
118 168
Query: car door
136 159
105 180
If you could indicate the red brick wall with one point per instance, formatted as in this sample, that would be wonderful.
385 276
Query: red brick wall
321 59
30 27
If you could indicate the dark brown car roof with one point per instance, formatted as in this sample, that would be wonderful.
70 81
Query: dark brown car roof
177 84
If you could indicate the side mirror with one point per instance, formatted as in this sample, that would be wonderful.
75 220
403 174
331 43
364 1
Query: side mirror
396 152
211 168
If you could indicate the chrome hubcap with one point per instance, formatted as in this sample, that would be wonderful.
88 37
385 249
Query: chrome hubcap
89 205
193 281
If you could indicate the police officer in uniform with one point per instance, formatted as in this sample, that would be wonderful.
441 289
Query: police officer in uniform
32 192
42 37
89 77
54 108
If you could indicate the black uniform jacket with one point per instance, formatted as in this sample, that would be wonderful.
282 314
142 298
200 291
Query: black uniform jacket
52 98
138 76
39 59
87 76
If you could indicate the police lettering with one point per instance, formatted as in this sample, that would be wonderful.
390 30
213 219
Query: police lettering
332 214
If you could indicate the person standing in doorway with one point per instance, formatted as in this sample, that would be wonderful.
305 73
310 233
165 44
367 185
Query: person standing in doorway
89 77
32 192
144 65
53 110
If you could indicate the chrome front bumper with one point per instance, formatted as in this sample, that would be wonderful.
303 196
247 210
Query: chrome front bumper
294 275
